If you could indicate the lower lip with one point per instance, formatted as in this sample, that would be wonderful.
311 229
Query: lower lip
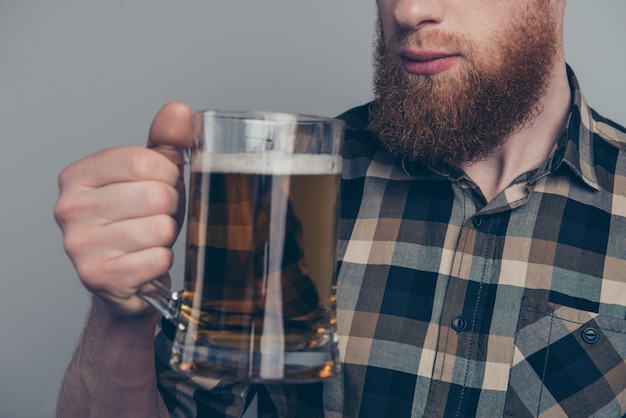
430 67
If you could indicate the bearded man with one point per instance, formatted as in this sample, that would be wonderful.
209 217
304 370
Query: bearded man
482 240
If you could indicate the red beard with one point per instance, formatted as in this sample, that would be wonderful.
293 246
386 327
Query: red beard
463 117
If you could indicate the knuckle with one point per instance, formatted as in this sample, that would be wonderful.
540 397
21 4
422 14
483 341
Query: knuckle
91 274
68 209
60 212
67 176
67 204
74 244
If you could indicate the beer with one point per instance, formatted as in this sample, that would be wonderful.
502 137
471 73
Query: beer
260 267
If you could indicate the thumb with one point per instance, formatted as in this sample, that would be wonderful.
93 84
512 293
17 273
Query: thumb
172 131
170 134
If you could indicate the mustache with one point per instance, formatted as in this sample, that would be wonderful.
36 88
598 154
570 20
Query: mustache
426 40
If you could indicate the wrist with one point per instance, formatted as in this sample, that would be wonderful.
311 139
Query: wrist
134 331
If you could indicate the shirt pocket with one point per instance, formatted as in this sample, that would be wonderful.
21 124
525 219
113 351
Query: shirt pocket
567 362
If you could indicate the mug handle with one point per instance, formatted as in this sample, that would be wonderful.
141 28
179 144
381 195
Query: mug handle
160 297
163 299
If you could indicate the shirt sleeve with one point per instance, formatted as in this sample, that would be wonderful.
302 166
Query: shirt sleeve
194 397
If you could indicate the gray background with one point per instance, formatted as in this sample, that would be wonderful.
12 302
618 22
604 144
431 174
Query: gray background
79 76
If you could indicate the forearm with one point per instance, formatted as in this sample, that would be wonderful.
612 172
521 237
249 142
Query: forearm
112 373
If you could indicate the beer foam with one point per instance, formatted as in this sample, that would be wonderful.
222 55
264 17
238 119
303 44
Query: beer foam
269 163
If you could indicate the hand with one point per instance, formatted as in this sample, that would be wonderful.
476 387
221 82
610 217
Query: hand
120 211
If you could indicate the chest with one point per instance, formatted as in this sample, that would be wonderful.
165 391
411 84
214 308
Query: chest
469 308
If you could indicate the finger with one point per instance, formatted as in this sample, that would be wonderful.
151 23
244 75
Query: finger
129 302
135 269
91 208
172 131
118 238
122 201
117 165
120 277
172 126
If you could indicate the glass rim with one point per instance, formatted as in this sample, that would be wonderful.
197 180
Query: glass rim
272 116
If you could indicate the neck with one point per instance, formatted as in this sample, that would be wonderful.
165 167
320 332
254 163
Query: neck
529 147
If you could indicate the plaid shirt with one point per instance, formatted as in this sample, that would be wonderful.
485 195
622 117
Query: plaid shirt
451 306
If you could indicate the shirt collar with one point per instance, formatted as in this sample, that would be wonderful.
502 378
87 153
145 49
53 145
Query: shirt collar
574 150
576 145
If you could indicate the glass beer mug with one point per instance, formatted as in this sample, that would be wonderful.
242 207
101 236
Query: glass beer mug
258 302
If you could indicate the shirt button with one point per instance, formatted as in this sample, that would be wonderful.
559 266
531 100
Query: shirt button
479 222
459 323
590 335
